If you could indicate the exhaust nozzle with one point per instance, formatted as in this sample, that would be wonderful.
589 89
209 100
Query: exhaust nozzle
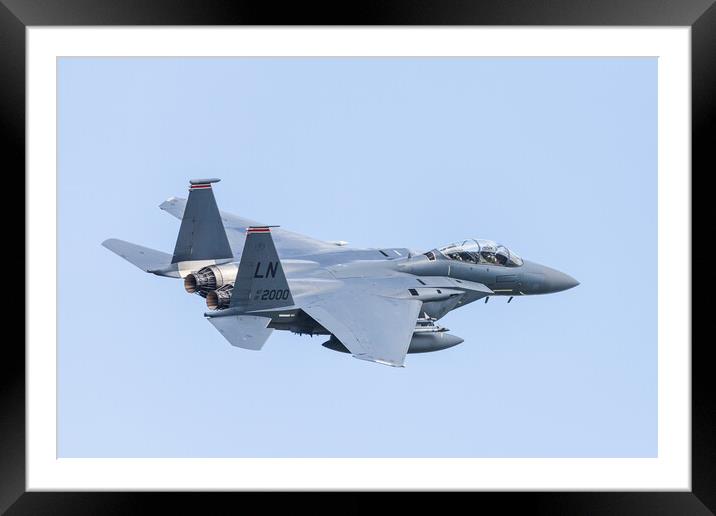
210 278
190 284
212 300
219 298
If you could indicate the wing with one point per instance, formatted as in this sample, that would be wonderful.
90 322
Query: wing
372 326
287 243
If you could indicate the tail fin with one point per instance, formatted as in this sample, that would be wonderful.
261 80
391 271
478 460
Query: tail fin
201 236
261 283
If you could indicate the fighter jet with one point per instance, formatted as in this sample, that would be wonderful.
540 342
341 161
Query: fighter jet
376 304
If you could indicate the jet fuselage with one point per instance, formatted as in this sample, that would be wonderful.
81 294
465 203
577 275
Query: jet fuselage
377 304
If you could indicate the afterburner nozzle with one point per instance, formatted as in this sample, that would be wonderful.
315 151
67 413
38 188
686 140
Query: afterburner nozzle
219 298
190 284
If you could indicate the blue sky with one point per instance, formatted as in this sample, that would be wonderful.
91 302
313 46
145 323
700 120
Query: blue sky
554 157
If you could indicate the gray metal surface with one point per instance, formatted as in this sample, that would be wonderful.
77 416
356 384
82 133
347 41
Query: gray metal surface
201 235
377 304
261 282
289 244
243 331
147 259
373 326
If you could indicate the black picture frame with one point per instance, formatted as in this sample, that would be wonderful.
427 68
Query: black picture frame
16 15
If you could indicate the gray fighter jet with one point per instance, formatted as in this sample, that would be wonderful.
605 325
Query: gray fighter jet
377 304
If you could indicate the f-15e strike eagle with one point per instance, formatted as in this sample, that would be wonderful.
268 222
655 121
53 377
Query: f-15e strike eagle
377 304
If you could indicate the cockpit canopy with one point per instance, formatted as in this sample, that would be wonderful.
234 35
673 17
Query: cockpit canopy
481 251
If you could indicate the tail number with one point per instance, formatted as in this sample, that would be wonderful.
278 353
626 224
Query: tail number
269 295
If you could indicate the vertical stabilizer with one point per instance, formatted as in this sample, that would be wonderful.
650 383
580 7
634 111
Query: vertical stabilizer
261 283
201 236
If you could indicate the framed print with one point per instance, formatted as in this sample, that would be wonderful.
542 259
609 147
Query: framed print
552 146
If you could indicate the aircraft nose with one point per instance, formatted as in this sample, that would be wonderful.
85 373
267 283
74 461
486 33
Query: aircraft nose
556 281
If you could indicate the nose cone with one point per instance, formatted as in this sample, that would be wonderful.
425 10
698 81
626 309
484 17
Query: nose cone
556 281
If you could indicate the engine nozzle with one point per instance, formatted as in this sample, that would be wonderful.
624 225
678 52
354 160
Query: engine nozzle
210 278
219 298
204 279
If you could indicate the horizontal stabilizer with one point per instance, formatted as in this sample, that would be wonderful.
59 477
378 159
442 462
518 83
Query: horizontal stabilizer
149 260
243 331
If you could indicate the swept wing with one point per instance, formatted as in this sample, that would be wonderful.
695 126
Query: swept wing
372 325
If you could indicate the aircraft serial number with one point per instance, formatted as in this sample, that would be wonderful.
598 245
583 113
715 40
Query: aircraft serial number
274 294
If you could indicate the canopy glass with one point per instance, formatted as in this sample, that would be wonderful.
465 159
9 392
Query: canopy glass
481 251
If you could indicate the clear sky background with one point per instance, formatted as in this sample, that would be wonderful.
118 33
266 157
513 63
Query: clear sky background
556 158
